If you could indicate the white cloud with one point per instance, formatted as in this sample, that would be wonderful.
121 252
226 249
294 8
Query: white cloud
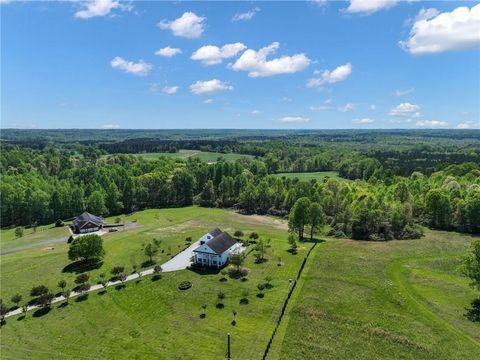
369 6
170 90
406 109
189 25
257 65
209 87
140 68
348 107
246 15
468 125
434 32
208 101
168 51
431 123
363 121
255 112
373 107
286 99
340 73
93 8
404 92
110 126
319 3
210 55
293 120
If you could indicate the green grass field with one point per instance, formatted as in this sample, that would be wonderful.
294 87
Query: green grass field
307 176
151 320
206 156
388 300
362 300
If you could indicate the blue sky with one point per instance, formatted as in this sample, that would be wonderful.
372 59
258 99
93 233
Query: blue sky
104 64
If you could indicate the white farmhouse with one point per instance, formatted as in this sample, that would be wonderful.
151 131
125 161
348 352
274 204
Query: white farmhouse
215 248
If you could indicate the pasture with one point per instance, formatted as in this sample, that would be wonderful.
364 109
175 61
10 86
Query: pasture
205 156
307 176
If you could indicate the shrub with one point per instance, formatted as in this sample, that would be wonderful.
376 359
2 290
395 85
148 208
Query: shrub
19 231
38 290
253 236
59 223
184 285
188 239
239 234
82 279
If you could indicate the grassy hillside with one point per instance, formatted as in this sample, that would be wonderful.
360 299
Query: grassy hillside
389 300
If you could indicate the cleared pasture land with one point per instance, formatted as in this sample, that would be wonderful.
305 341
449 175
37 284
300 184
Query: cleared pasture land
307 176
385 300
206 156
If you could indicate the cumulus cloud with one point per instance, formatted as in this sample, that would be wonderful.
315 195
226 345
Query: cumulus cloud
211 55
255 112
431 123
189 25
468 125
369 6
363 121
209 87
404 92
168 52
293 120
434 32
246 15
348 107
373 107
208 101
93 8
257 65
170 90
405 109
140 68
340 73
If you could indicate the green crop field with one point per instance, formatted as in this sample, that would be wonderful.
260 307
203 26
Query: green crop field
206 156
306 176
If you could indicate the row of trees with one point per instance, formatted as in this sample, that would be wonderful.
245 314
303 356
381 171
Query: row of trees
38 191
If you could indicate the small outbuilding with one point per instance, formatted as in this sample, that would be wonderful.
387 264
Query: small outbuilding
215 248
87 223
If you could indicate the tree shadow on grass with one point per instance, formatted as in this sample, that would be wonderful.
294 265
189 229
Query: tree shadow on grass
156 277
120 287
204 270
62 305
220 306
82 266
41 312
20 318
148 263
81 298
103 292
473 313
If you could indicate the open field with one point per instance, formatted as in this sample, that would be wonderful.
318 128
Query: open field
369 300
8 240
388 300
306 176
108 326
202 155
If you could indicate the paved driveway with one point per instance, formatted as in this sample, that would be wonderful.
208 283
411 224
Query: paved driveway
182 260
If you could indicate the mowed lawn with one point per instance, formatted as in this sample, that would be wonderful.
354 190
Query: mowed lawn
385 300
307 176
152 319
43 234
206 156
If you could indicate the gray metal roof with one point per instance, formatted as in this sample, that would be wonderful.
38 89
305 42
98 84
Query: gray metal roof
85 218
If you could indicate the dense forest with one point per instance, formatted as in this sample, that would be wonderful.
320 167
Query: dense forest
390 182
